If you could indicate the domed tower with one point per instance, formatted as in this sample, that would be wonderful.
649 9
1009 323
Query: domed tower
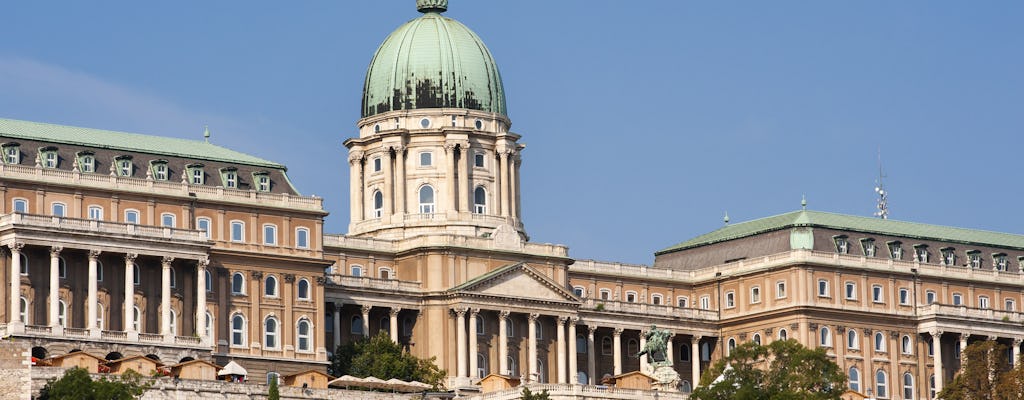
434 152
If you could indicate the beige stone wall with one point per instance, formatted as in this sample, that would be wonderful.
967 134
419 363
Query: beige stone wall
15 371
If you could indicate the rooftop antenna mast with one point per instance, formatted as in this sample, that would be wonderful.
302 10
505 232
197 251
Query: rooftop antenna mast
883 201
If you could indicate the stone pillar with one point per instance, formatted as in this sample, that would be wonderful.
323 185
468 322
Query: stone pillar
963 350
337 325
54 288
617 351
165 297
669 348
503 176
394 323
573 364
464 193
503 342
560 335
591 356
14 317
937 354
366 320
389 181
1016 351
643 359
201 266
513 182
91 299
400 207
473 315
449 149
695 361
355 188
129 296
531 358
460 345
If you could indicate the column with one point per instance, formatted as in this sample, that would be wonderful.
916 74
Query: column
128 322
695 361
400 207
464 193
394 323
573 366
91 300
54 286
449 149
503 342
963 350
617 351
460 345
201 283
1016 351
389 181
669 348
355 188
503 176
337 326
14 316
937 350
366 320
513 182
560 335
591 356
165 297
531 358
473 315
643 358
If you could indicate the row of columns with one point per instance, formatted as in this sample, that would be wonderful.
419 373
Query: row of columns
365 314
937 354
92 304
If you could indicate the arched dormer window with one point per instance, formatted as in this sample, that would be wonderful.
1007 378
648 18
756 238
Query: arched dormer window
480 200
426 199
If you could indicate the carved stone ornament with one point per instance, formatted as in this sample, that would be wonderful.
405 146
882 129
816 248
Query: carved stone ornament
130 257
94 254
203 262
55 251
289 278
257 274
813 326
504 314
768 331
320 281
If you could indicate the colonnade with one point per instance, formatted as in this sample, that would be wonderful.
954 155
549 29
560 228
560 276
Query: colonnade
936 337
393 312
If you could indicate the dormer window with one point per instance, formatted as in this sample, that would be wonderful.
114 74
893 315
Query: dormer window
123 165
86 161
48 157
842 244
974 257
921 253
262 180
868 246
11 153
1000 261
158 168
1020 263
895 250
196 176
948 256
229 176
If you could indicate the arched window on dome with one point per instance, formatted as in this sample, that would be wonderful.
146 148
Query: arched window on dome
378 204
480 200
426 199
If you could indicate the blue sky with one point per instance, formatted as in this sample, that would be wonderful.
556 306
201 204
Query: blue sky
645 121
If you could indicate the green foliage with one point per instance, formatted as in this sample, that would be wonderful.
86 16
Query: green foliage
986 375
76 384
274 393
381 358
528 395
782 370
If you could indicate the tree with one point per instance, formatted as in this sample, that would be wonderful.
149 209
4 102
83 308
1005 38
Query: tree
381 358
273 393
76 384
986 375
783 370
528 395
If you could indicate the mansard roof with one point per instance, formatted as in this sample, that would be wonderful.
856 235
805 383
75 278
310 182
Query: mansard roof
807 218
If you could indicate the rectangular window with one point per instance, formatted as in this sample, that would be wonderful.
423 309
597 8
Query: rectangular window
160 171
958 299
842 244
1010 305
302 238
479 160
377 164
87 163
95 212
730 299
705 303
876 294
780 290
237 231
948 256
904 296
983 302
755 295
426 159
681 302
823 288
124 167
269 235
197 176
895 250
975 258
203 224
131 217
921 253
168 220
263 183
868 246
12 154
230 179
851 291
1000 261
929 297
50 159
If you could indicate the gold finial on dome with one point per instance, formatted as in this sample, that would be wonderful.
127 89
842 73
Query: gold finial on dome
426 6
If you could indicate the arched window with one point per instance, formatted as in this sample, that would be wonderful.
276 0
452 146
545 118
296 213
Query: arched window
100 321
908 386
203 224
168 220
237 283
20 205
480 200
879 342
510 328
174 322
854 378
131 216
62 313
682 302
270 333
783 335
302 333
62 268
907 345
270 234
357 325
270 286
581 378
237 330
426 200
24 264
136 319
357 270
705 352
579 291
513 367
174 278
136 274
826 337
685 387
605 294
539 328
209 325
378 204
732 345
632 347
302 238
684 353
237 231
58 209
481 365
757 338
631 297
851 339
606 345
209 280
385 273
880 384
23 311
303 289
542 375
99 271
479 324
95 212
656 299
581 344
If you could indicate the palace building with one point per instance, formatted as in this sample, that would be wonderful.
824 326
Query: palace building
123 245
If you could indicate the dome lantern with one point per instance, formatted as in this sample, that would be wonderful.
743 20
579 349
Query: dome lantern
426 6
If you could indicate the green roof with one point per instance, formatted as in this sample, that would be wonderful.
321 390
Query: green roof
132 142
805 218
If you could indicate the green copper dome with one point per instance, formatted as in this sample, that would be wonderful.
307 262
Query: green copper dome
432 62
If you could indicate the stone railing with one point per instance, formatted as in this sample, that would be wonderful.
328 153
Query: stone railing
151 337
147 186
342 241
986 314
566 391
38 329
114 335
76 332
649 309
187 340
94 226
375 283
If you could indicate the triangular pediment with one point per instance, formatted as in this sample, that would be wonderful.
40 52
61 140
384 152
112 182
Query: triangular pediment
518 281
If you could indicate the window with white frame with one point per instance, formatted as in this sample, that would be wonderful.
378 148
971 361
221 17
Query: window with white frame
209 325
23 310
302 238
357 270
958 299
730 299
1000 261
605 294
270 286
842 244
12 153
195 173
904 294
757 339
881 384
879 342
783 334
263 183
62 313
303 289
895 250
921 253
908 386
131 216
385 273
378 204
1010 305
203 224
24 264
974 257
983 302
168 220
656 299
948 256
302 330
851 290
868 247
124 165
731 346
578 291
682 302
426 159
237 231
229 177
631 296
136 319
876 294
907 345
49 157
62 268
510 328
174 322
852 341
929 297
238 330
426 199
854 379
237 283
95 212
479 160
270 234
158 168
931 386
825 336
480 200
209 280
780 289
705 302
377 164
58 209
270 326
755 295
823 288
100 321
86 161
20 205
